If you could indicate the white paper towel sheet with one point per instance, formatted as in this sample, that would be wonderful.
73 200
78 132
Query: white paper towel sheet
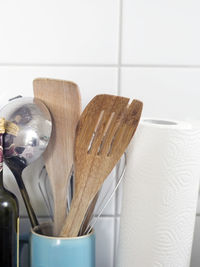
160 193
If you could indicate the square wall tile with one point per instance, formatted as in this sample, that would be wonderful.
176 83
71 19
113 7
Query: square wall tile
117 232
61 31
171 93
18 80
91 80
161 32
104 242
24 259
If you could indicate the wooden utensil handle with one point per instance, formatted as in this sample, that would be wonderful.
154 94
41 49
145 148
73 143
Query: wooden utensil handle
75 217
60 212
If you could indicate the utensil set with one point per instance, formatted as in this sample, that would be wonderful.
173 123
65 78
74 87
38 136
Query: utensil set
91 142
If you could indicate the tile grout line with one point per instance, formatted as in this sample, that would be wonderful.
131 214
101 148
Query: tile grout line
119 48
102 216
162 66
100 65
109 65
118 93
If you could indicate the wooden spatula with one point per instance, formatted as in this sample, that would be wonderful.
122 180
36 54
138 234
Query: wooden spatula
62 98
103 133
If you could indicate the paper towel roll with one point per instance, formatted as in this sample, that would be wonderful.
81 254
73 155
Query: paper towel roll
160 195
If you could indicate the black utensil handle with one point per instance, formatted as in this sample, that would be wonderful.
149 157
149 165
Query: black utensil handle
29 208
24 194
17 165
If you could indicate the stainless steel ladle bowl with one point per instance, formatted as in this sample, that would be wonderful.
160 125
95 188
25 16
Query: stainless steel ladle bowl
34 122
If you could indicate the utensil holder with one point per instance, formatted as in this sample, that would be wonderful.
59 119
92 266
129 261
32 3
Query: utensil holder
46 250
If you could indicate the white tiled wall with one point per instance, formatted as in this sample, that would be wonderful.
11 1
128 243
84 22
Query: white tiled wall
137 48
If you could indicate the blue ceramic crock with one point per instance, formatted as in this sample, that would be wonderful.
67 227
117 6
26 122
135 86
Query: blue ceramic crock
48 251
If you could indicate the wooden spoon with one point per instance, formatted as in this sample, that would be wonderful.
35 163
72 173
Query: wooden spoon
62 98
103 133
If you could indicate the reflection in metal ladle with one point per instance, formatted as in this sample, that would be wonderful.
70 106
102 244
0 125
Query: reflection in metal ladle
34 122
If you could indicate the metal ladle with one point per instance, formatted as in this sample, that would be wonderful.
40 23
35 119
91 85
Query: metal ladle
34 122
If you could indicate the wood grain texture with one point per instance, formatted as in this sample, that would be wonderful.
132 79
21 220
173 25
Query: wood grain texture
62 98
103 133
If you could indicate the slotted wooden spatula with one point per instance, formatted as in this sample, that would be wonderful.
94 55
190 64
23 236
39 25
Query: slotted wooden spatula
104 131
62 98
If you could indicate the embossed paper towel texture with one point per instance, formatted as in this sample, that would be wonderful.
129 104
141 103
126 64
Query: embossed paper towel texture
160 197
